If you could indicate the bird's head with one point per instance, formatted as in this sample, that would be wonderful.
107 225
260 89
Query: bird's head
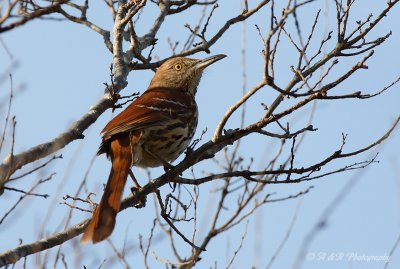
182 73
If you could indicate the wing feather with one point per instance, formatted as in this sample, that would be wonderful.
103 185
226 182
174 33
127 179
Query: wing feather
152 108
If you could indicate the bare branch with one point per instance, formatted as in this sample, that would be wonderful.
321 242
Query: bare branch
209 43
7 114
75 131
166 218
28 193
53 8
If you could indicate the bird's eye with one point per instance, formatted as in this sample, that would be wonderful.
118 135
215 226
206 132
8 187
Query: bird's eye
178 67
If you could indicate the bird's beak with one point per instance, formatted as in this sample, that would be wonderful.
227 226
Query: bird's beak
210 60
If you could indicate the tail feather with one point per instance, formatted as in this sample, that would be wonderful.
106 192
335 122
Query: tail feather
103 221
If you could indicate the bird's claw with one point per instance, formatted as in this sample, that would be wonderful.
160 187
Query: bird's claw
142 202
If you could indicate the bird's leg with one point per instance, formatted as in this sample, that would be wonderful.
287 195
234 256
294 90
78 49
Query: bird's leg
135 189
137 185
167 167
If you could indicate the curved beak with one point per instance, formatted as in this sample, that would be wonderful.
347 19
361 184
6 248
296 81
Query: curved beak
201 64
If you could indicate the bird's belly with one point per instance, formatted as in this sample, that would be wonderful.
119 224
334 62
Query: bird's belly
164 143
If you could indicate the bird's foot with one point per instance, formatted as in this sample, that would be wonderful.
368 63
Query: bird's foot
167 166
172 185
142 202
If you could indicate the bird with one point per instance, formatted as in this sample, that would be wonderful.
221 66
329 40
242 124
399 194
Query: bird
152 131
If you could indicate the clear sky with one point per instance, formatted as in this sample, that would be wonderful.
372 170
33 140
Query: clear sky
58 72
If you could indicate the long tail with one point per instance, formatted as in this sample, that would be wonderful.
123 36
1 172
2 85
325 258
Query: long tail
103 221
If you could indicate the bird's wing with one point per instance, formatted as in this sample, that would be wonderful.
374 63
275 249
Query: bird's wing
152 108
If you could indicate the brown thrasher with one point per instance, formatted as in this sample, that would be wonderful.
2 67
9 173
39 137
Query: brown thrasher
153 130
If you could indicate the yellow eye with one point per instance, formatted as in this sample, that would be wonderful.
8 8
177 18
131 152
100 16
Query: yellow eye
178 67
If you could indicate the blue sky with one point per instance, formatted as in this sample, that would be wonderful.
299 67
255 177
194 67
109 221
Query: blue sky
61 68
